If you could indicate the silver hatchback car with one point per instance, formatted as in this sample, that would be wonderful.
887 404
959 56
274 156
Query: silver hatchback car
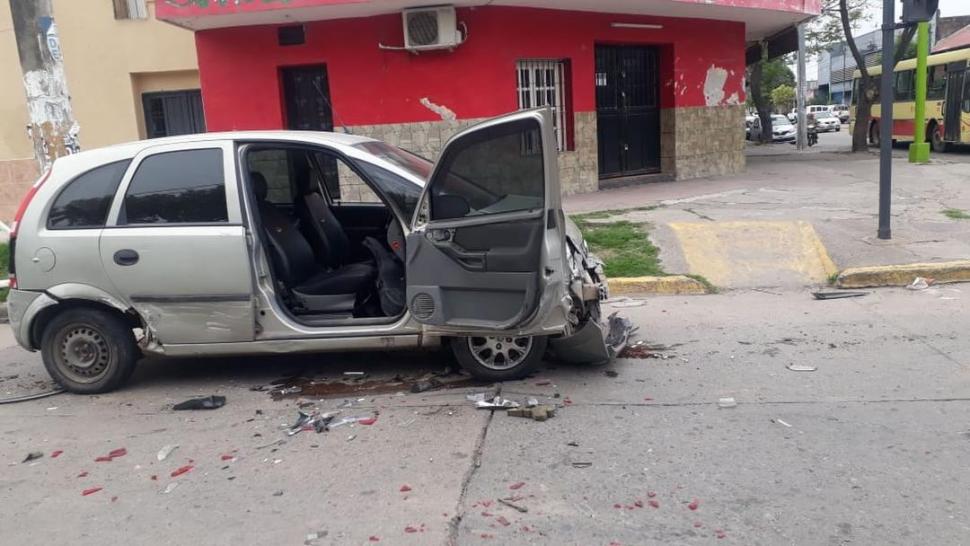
281 242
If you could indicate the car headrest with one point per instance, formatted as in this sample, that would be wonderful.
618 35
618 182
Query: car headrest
260 187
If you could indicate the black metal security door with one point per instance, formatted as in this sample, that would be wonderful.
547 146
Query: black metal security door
956 72
173 113
306 93
627 110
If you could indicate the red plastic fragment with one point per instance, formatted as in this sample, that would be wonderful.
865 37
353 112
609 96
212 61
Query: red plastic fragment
181 470
651 494
374 538
638 503
368 421
114 499
654 503
693 504
56 453
487 514
410 529
486 503
405 488
567 401
227 457
83 474
719 533
517 485
698 524
120 452
648 399
90 491
543 383
154 477
487 535
503 521
103 459
617 505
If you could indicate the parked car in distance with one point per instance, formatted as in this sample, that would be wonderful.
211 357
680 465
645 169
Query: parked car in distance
841 111
782 130
253 243
826 122
810 109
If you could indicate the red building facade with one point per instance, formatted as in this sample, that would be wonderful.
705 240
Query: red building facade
637 95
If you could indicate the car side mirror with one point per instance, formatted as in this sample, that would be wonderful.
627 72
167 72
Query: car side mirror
447 206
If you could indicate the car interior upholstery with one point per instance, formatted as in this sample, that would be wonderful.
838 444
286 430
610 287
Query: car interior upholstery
326 256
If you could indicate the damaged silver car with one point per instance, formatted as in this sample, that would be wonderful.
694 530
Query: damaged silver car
281 242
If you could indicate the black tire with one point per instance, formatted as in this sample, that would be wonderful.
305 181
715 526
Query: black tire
88 351
936 139
530 359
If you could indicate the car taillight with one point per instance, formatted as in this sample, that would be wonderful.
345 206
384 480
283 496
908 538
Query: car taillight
18 217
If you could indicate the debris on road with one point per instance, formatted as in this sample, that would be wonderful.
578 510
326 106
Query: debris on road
837 295
355 374
90 491
582 464
422 386
694 504
166 451
611 373
517 485
207 403
33 455
181 470
622 303
170 487
780 422
511 504
496 403
801 368
112 455
56 453
405 488
727 402
920 283
537 413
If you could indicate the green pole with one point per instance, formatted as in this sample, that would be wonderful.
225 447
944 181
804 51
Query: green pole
919 150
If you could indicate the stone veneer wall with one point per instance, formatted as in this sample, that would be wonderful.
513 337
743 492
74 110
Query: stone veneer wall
577 168
16 177
707 141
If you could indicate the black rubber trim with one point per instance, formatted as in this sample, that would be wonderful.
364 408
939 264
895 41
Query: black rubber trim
191 299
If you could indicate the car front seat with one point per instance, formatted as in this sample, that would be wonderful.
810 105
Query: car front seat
325 229
329 291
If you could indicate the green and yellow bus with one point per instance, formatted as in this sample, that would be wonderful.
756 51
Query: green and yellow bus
947 100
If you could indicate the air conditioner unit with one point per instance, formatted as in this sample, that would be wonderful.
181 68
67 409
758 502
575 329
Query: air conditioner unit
433 27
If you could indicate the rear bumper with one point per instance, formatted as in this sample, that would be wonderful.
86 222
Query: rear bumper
22 307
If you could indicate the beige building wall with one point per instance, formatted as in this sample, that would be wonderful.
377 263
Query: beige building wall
110 62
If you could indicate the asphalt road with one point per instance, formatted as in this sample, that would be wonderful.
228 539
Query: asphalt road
870 448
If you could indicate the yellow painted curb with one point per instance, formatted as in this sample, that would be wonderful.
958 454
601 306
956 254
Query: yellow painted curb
674 285
902 275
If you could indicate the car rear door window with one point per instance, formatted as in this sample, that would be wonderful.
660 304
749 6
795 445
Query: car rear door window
84 202
181 187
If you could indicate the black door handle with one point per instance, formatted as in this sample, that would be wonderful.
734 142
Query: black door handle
126 256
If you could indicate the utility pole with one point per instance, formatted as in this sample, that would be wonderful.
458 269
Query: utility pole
51 127
802 140
919 150
886 119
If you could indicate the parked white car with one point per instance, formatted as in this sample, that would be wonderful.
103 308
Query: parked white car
238 243
782 130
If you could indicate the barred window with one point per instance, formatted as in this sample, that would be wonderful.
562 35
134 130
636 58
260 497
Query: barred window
130 9
543 83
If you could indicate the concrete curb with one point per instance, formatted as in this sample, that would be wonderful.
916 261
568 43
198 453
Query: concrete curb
902 275
673 285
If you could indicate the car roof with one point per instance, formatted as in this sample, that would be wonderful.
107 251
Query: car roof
91 158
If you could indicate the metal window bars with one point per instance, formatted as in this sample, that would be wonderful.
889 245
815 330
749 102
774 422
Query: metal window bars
541 82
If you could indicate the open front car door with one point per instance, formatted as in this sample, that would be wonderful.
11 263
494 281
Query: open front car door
487 250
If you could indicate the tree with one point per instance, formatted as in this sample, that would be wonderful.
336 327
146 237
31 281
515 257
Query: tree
783 96
868 87
767 75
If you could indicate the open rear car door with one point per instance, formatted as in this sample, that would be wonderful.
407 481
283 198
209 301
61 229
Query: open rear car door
486 254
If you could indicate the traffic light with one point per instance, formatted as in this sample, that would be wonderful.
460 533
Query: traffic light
919 11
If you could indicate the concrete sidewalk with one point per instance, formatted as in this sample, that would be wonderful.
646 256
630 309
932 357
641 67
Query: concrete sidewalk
756 229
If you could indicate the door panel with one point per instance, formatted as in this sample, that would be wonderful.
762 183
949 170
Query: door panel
187 272
628 110
956 74
487 260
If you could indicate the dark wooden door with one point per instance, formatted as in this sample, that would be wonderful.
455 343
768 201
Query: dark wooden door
306 95
627 110
173 113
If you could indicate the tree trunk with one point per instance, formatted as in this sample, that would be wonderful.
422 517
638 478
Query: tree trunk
760 103
863 111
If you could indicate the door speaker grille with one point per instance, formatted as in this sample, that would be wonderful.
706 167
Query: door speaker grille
422 306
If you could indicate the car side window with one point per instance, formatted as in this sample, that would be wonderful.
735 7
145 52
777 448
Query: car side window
275 166
181 187
342 183
84 202
490 171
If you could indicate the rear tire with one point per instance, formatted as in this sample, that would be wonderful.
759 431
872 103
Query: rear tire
89 351
499 358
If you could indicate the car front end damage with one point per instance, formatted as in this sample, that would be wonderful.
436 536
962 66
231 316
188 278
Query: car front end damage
590 338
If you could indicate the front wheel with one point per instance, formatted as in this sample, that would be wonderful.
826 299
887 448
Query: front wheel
88 351
936 140
499 358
